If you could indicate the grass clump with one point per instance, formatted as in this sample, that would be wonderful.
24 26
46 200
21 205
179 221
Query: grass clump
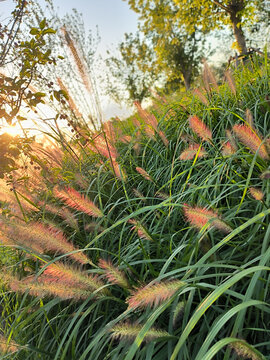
156 244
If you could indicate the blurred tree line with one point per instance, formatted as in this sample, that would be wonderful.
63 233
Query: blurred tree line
171 41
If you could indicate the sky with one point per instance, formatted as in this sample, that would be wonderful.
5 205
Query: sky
113 18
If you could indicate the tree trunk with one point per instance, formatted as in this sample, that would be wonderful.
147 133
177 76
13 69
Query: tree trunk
187 78
238 33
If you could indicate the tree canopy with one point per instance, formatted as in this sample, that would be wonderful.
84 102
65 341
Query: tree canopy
203 15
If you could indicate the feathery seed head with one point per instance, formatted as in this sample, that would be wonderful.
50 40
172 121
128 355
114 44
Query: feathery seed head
127 331
256 193
41 238
251 140
138 194
201 96
77 201
227 149
142 233
163 138
113 274
64 274
200 128
149 119
243 349
153 294
231 140
265 175
231 81
249 118
7 346
191 152
209 78
178 312
162 195
71 102
143 173
199 217
78 60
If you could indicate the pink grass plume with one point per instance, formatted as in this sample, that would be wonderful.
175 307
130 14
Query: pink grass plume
251 139
256 193
142 233
144 173
77 201
153 294
199 218
199 127
191 152
113 273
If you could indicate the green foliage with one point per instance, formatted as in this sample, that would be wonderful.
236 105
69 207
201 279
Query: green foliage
134 72
172 251
31 54
164 51
205 15
8 152
27 58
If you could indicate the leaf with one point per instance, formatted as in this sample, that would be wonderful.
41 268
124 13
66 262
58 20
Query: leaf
42 24
49 31
208 301
34 31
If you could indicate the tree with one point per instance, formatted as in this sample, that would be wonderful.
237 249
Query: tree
207 15
26 58
160 54
177 52
134 70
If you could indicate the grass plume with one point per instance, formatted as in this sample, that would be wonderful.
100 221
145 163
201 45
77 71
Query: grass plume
153 294
200 128
199 218
256 193
191 152
127 331
251 140
113 274
77 201
40 238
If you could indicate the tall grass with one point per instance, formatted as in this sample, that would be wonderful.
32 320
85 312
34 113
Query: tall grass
167 254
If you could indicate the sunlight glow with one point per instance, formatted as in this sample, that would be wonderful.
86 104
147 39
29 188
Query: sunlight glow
12 130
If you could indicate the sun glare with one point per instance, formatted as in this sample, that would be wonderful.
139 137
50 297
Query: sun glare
12 130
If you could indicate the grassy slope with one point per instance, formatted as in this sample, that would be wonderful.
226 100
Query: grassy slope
224 277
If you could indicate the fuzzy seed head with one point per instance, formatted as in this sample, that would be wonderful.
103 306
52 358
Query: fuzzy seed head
243 349
256 193
191 152
40 238
144 173
113 274
199 217
7 347
227 149
251 140
77 201
178 312
153 294
127 331
200 128
142 233
265 175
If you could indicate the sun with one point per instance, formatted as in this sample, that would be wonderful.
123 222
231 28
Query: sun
12 130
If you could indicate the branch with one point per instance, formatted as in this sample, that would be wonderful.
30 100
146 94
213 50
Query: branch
227 9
